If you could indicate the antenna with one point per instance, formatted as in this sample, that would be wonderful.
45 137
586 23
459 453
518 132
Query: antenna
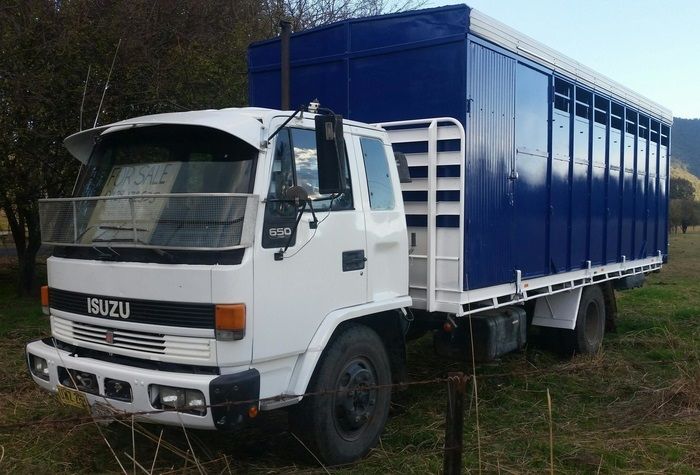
82 104
104 91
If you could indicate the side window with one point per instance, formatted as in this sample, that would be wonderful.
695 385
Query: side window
279 215
306 165
295 162
381 193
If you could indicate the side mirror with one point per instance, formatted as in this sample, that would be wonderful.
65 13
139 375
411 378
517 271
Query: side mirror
402 166
330 147
296 194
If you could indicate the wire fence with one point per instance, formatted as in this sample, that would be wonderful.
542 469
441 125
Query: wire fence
119 415
446 444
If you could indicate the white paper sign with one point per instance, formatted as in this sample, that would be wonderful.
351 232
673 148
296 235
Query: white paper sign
112 219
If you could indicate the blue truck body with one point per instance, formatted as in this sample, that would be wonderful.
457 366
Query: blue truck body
559 175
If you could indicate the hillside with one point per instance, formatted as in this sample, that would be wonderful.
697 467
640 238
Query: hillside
680 172
685 143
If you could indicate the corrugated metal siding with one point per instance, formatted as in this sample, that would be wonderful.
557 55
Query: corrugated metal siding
408 65
562 210
490 155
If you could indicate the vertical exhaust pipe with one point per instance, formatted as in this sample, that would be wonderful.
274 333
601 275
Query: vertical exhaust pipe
286 27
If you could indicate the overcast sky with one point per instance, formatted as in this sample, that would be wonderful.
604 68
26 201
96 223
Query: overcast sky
652 47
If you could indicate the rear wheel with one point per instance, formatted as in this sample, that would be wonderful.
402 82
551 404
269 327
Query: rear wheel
344 424
587 337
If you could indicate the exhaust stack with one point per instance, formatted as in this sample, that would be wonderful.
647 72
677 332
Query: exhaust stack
286 27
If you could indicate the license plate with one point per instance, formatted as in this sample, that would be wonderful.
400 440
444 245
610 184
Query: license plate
71 397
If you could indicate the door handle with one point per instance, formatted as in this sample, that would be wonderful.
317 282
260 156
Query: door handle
354 260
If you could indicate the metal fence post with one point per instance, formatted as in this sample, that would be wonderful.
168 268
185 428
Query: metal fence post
454 423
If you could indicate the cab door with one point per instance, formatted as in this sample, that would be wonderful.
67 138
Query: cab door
385 220
323 268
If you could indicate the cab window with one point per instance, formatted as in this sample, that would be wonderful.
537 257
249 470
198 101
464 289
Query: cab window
295 161
381 193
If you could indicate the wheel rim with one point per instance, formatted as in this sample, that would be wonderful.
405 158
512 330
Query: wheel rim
354 401
592 323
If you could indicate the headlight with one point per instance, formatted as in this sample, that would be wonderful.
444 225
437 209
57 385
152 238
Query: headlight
39 367
190 401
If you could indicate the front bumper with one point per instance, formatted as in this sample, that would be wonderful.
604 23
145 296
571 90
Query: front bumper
219 391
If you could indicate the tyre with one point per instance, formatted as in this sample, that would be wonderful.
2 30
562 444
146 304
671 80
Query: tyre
587 337
344 424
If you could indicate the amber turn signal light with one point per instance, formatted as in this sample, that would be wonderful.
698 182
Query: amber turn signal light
45 299
230 322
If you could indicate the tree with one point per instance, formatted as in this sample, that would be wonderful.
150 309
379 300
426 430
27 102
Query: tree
681 189
173 55
312 13
684 214
169 55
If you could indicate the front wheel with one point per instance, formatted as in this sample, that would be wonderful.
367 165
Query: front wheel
344 421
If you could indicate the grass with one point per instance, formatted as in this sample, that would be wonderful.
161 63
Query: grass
635 407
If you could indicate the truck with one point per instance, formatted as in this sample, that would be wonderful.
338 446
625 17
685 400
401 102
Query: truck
454 176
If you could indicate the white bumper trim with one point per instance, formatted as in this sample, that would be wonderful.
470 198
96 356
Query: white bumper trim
139 379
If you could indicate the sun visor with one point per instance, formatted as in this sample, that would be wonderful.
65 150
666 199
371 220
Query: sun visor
230 121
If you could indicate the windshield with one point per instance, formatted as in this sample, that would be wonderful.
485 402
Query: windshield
168 159
161 187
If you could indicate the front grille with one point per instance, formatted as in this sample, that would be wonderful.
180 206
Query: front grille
175 314
110 339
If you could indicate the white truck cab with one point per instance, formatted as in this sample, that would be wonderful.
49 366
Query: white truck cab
200 263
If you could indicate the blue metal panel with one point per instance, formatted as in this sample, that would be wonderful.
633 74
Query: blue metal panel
598 216
640 235
560 199
662 230
580 200
614 196
531 203
613 204
598 212
628 190
372 69
579 214
640 218
560 189
652 217
569 203
490 158
428 85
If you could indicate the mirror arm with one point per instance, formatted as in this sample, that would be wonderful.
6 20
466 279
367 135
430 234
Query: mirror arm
279 255
313 224
289 119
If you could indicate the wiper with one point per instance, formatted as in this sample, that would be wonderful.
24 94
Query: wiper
157 250
107 228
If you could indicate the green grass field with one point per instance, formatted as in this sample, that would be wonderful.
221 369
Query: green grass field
635 407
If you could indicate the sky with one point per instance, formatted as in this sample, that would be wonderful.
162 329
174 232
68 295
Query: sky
652 47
